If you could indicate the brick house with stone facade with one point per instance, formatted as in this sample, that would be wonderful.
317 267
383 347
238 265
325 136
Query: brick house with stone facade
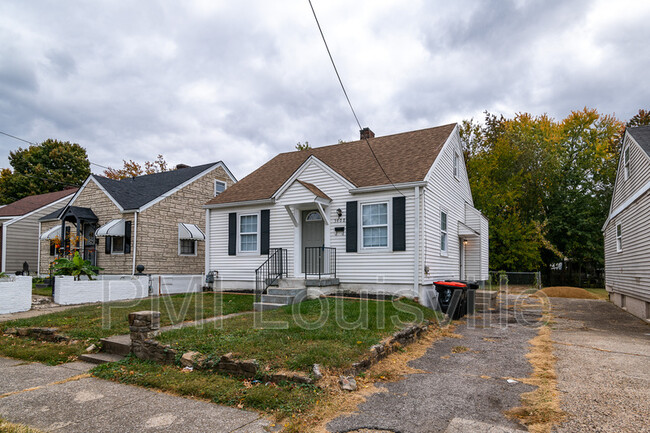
155 220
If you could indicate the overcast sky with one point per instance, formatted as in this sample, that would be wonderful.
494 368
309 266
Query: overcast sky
239 81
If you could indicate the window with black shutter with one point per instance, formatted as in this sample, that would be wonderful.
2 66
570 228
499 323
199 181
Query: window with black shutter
232 234
399 223
351 226
265 229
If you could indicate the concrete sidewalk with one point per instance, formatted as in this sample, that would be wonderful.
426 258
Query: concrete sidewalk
65 399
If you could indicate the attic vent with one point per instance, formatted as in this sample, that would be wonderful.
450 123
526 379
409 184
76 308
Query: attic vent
366 133
179 166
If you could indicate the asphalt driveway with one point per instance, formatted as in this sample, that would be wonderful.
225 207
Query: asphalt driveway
464 387
603 367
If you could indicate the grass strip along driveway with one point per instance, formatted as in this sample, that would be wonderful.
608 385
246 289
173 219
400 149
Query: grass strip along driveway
332 332
88 324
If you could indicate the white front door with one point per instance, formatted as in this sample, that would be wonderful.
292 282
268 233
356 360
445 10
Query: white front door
313 235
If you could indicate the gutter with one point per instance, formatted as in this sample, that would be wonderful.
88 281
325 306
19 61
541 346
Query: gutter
405 185
239 203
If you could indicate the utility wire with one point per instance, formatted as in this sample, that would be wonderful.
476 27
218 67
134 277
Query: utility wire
35 144
329 53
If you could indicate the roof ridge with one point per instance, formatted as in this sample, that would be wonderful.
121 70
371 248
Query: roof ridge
329 146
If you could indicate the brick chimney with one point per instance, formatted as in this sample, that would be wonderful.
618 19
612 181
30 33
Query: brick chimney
366 133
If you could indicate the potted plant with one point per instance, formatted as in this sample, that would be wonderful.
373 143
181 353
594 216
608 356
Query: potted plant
75 267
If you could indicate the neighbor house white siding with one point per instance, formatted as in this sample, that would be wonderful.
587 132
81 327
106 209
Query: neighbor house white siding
449 193
627 271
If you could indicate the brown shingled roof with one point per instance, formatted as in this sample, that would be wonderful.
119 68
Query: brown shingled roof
406 157
33 202
314 189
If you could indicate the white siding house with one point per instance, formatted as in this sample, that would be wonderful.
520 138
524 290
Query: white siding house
394 228
627 237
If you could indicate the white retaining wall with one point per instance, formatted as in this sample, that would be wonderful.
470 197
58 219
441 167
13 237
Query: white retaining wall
67 291
15 294
170 284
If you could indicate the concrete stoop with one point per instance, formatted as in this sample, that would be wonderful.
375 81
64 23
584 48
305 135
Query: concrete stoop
114 349
277 297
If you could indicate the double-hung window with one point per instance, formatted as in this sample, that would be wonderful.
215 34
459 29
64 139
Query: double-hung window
248 233
374 225
219 187
117 245
619 238
443 233
626 161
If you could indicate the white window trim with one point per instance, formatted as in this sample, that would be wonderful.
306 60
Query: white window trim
239 233
187 255
456 165
225 186
117 253
445 252
619 238
389 213
626 162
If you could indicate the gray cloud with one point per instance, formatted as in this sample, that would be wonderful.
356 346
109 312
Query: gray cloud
242 81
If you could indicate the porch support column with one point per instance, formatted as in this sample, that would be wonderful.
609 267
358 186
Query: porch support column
323 214
293 217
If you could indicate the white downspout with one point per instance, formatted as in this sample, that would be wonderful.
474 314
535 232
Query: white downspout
207 241
4 247
38 257
135 239
416 253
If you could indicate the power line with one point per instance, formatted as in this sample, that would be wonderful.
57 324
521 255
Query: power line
329 53
35 144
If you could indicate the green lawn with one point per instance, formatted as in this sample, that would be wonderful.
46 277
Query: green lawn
90 323
42 291
282 400
601 293
348 329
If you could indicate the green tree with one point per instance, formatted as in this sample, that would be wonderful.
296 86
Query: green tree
132 168
641 118
301 146
42 168
544 185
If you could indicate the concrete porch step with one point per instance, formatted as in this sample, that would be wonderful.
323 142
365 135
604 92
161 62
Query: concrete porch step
291 283
117 344
265 306
278 299
100 358
293 292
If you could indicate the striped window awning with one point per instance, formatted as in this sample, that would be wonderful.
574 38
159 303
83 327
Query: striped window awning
52 233
190 231
111 228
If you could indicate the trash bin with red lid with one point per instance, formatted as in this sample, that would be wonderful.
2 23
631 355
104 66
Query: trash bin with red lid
452 298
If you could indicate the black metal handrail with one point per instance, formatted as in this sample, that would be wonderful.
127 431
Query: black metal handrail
320 261
274 268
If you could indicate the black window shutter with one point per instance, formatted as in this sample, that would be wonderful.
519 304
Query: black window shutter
232 234
399 223
52 248
265 228
107 247
351 227
127 237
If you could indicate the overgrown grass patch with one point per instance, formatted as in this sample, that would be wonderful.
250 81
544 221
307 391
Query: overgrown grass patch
281 400
333 332
41 291
40 351
9 427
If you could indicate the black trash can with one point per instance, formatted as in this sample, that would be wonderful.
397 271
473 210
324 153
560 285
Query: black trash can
452 294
